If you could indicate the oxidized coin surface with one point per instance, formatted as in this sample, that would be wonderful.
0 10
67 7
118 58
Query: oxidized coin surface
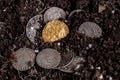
70 68
32 25
25 58
48 58
66 58
54 13
54 31
90 29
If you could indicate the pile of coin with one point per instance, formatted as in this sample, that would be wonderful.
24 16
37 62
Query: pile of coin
53 29
47 58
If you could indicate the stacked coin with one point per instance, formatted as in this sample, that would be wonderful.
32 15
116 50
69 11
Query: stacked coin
66 58
69 68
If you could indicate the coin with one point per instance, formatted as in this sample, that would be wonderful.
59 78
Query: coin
48 58
54 13
25 58
90 29
54 31
66 58
31 27
70 68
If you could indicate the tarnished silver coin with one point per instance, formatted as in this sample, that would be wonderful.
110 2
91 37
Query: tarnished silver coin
24 59
32 25
70 68
48 58
90 29
54 13
66 58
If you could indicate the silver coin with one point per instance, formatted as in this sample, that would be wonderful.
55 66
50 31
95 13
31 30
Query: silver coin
90 29
25 59
66 58
54 13
31 27
70 68
48 58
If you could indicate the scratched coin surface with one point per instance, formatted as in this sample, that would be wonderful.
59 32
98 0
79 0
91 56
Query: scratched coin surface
70 68
24 59
54 31
32 25
90 29
54 13
48 58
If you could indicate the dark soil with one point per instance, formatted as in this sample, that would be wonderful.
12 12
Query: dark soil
103 58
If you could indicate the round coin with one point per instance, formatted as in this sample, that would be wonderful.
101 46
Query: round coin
90 29
32 25
25 58
54 31
48 58
54 13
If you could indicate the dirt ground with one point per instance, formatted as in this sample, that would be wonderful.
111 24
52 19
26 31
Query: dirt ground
102 59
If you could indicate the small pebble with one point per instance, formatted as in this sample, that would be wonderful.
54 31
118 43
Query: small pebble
101 77
36 50
14 46
58 43
110 78
90 45
99 68
91 67
37 9
113 11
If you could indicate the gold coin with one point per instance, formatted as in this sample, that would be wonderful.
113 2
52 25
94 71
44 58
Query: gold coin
54 31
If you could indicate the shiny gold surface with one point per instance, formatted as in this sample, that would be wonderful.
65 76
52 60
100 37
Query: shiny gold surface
54 31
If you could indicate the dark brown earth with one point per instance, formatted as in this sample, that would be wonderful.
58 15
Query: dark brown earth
103 58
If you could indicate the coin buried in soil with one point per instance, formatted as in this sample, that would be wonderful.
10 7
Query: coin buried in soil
70 68
66 58
32 25
54 31
90 29
54 13
48 58
25 58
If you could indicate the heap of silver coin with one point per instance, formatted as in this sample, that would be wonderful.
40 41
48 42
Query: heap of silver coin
47 58
50 58
33 24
